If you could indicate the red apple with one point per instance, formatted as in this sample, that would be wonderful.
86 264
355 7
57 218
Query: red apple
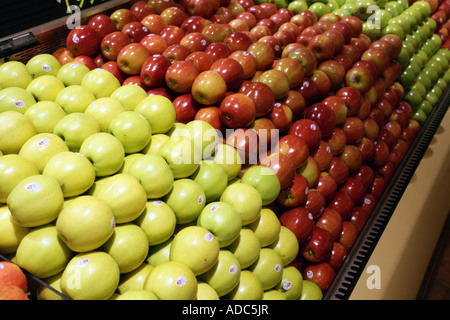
135 31
309 90
318 247
141 8
172 35
237 110
323 155
294 147
323 116
262 96
195 41
135 80
230 70
296 102
215 32
154 43
102 24
202 8
87 61
292 68
300 222
11 274
186 108
339 107
277 81
283 167
245 141
367 148
326 185
270 24
281 116
352 98
180 75
331 221
201 60
265 130
348 235
209 87
308 130
173 16
306 58
310 170
63 55
210 115
121 17
335 71
248 17
295 194
153 71
263 53
322 274
194 24
360 78
160 5
338 170
237 40
10 292
247 62
352 157
112 43
369 202
113 67
322 46
343 204
315 203
83 40
154 23
354 130
338 255
274 43
377 56
176 52
355 189
359 218
132 57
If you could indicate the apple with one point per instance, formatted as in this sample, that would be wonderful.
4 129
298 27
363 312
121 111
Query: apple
268 268
209 87
83 40
201 60
132 57
13 232
318 247
237 110
16 99
334 70
310 291
180 75
249 287
101 82
266 227
159 111
238 193
322 274
72 73
15 74
262 96
75 98
213 179
12 275
299 221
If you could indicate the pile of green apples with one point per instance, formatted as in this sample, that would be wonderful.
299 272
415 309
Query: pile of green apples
104 196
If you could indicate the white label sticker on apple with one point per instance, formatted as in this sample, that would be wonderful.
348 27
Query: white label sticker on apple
2 266
233 269
306 190
309 274
82 262
181 281
209 237
310 216
367 201
46 68
144 28
76 39
157 203
19 104
43 142
287 285
32 186
113 223
313 126
201 198
278 268
214 207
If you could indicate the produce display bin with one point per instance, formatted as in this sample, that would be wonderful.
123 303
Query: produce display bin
397 241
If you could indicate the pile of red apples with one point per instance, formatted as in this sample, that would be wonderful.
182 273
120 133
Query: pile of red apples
327 88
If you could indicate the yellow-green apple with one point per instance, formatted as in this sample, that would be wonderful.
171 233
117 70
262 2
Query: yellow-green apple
186 199
134 280
74 172
85 224
310 291
43 64
41 147
45 88
13 169
155 143
212 178
159 253
209 87
196 247
35 201
72 73
158 222
182 155
101 82
12 232
14 74
246 247
129 96
273 294
286 245
90 276
291 283
224 275
128 245
44 115
266 227
104 110
206 292
277 80
11 274
172 280
265 181
249 287
74 128
153 173
128 160
268 268
229 159
42 253
239 193
74 98
105 152
132 130
222 220
15 130
159 111
204 135
15 99
137 295
46 292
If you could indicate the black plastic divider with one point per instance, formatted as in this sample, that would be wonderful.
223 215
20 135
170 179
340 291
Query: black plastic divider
356 260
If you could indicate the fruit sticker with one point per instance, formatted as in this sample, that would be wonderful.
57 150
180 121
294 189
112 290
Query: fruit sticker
76 39
19 104
287 285
82 262
278 267
181 281
309 274
113 223
32 186
43 142
201 198
157 203
46 68
209 237
233 269
313 126
214 207
2 266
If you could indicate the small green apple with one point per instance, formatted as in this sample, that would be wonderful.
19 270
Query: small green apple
229 159
319 9
101 82
268 268
137 295
43 64
426 107
265 181
159 253
297 6
42 253
159 111
291 283
286 245
44 115
414 98
266 227
90 276
129 96
15 99
310 291
393 29
104 110
420 115
155 143
72 73
182 155
204 136
74 98
45 88
213 179
14 74
46 292
134 280
36 200
12 233
15 130
246 247
206 292
248 288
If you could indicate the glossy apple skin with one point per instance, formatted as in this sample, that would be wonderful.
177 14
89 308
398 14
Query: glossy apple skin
295 194
294 147
331 221
300 222
318 248
262 96
323 116
154 70
315 203
343 204
237 110
180 75
102 24
112 43
186 108
230 70
83 40
308 130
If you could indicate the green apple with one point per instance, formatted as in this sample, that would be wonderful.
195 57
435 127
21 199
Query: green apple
382 18
222 220
273 294
158 221
268 268
341 12
442 84
182 155
15 130
45 88
248 288
394 8
129 96
172 280
13 169
134 280
41 147
286 245
153 173
310 291
416 14
371 30
434 95
224 275
90 276
124 194
245 199
72 73
291 283
266 227
364 9
422 33
159 253
430 73
446 76
206 292
73 171
432 24
137 295
417 60
265 181
14 74
350 8
212 178
426 107
423 57
46 292
297 6
420 115
444 53
101 82
419 88
186 199
75 98
85 224
246 247
319 9
43 64
104 110
229 159
15 99
128 245
393 29
44 115
442 60
204 135
12 233
428 48
132 130
281 3
196 247
128 160
408 76
159 111
155 143
414 98
74 128
437 41
424 5
105 152
36 200
333 5
42 253
436 65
